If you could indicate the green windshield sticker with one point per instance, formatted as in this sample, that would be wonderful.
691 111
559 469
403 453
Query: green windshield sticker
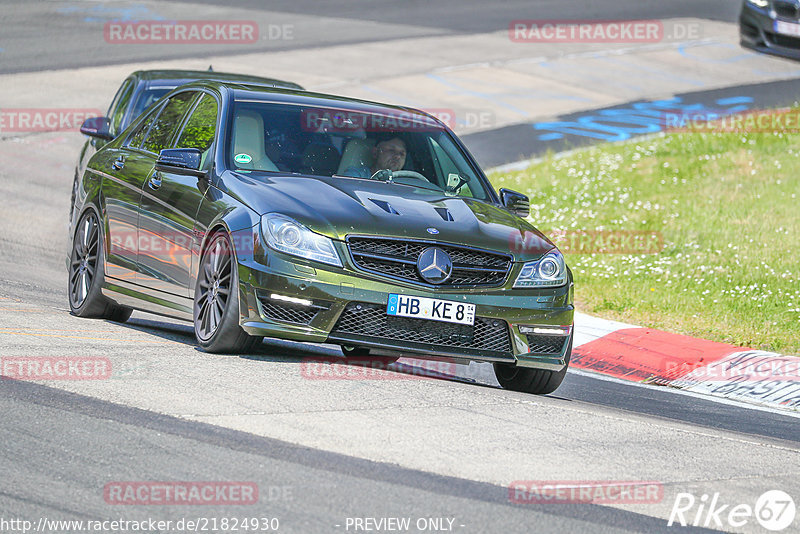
242 158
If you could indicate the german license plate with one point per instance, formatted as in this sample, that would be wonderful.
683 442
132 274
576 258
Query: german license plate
447 311
787 28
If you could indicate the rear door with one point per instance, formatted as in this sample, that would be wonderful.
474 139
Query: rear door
169 201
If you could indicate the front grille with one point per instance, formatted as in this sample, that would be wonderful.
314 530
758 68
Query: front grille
786 10
287 312
369 322
397 258
545 344
783 40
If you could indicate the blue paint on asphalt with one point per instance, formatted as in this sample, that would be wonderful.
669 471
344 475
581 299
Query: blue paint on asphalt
103 13
735 100
550 137
682 50
638 119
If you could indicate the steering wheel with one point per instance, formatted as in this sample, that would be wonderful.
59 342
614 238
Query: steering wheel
409 174
387 175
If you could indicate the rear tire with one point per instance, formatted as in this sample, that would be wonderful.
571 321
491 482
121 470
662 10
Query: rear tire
216 301
536 381
86 266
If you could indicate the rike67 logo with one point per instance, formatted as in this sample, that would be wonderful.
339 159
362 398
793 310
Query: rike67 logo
774 510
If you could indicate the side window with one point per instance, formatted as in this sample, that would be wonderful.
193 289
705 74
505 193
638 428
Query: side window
166 123
116 112
201 126
136 137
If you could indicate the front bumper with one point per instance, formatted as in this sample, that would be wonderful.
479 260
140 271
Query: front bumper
757 31
287 297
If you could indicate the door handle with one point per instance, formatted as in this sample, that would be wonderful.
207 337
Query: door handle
155 180
119 163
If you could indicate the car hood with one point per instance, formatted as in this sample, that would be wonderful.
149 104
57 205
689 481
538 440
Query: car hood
338 207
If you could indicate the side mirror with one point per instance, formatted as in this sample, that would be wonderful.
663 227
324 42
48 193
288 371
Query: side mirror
516 203
180 161
97 127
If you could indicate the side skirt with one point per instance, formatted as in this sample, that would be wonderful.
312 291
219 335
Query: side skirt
148 300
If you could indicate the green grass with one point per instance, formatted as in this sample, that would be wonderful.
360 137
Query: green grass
728 208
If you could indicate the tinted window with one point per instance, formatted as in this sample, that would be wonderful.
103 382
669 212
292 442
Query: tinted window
148 96
166 123
201 126
138 134
120 104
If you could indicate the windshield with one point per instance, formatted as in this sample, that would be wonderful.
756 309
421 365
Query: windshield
404 149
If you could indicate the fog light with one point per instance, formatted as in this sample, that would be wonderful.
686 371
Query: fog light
293 300
545 330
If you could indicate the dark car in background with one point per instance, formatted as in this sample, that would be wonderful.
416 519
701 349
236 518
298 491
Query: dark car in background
140 90
771 26
255 211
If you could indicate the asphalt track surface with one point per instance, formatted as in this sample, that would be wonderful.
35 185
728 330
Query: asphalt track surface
318 24
57 467
62 443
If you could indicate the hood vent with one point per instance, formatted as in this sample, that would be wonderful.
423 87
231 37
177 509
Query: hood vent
445 214
385 206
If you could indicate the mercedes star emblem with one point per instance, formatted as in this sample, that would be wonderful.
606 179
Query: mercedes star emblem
434 265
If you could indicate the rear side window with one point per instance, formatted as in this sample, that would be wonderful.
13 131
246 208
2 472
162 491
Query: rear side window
118 107
201 126
167 122
137 136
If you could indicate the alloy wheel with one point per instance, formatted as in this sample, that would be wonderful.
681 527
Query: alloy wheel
215 287
83 261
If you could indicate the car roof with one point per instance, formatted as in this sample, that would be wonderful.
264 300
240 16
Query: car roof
179 77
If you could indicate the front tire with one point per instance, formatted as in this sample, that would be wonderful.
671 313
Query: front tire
86 274
216 301
536 381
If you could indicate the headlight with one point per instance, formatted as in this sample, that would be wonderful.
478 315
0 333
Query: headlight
759 3
289 236
548 271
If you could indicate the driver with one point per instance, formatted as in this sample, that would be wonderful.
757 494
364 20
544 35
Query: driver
387 154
